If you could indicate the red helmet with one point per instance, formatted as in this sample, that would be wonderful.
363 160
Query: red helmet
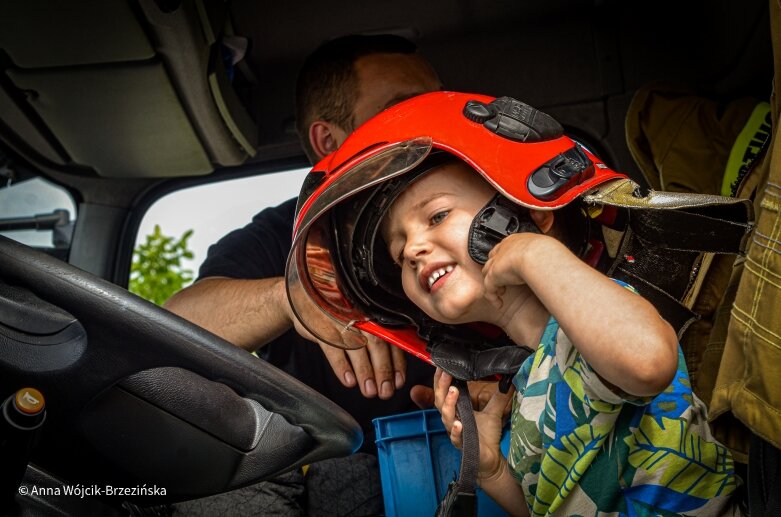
336 264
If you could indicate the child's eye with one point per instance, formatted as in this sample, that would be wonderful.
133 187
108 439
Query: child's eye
439 217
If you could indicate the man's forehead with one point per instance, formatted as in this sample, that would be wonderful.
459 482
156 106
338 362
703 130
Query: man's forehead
387 79
402 96
410 70
396 63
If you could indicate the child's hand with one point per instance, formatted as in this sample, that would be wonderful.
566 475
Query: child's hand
489 423
480 392
503 268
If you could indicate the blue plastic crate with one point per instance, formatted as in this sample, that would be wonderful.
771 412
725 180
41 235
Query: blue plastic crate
417 461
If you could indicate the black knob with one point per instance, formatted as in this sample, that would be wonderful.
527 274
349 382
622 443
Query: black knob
479 112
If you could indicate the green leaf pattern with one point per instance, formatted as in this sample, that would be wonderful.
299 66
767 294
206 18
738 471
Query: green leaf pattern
575 453
561 469
679 459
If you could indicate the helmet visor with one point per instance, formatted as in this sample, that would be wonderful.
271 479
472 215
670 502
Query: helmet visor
312 277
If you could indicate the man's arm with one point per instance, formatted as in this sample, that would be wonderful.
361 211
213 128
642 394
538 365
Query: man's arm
251 313
248 313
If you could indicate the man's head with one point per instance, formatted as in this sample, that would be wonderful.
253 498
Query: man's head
349 80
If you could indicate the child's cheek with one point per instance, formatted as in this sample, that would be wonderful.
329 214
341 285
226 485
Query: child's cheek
408 282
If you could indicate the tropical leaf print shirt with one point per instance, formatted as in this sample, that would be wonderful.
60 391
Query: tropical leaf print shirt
578 448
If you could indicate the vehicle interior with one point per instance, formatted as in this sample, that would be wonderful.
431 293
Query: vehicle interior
120 102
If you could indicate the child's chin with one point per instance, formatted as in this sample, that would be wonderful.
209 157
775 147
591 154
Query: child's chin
452 315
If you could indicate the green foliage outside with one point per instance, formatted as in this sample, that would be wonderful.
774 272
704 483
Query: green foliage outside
156 272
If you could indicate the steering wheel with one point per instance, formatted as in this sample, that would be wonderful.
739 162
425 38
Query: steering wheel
136 395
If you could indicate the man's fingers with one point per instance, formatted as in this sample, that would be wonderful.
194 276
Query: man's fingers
377 369
422 396
339 364
382 365
399 366
362 366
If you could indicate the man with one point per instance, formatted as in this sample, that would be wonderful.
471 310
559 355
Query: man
240 294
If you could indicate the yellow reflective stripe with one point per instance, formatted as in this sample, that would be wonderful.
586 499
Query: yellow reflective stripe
747 146
594 211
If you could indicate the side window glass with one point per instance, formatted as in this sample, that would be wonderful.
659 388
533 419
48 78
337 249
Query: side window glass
38 213
177 230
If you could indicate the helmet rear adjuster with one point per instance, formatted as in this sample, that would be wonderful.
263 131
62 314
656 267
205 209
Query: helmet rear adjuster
513 120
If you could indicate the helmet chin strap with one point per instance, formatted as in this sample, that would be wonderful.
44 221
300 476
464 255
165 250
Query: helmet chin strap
495 221
468 356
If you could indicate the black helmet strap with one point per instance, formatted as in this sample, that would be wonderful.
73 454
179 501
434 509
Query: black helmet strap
467 354
498 219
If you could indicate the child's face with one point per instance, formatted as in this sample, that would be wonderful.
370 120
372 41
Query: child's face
427 229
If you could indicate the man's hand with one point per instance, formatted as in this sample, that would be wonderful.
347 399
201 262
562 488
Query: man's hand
379 369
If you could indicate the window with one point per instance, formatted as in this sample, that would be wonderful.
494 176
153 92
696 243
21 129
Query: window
38 213
215 209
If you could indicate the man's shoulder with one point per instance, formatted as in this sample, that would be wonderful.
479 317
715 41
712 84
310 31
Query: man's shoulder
257 250
283 213
284 209
271 223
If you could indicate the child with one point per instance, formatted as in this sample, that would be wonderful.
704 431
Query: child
603 420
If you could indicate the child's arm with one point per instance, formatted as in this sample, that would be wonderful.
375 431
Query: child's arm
493 474
505 490
619 333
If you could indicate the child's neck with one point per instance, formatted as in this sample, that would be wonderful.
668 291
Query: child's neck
523 317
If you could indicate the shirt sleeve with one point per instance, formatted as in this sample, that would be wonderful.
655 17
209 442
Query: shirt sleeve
258 250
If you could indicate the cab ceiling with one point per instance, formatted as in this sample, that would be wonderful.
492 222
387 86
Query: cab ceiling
579 60
131 88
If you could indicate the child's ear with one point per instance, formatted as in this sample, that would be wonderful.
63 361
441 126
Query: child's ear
543 219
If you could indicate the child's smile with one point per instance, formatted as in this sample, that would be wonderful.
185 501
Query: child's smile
432 277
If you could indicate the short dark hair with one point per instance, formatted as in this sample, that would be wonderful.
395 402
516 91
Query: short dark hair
327 84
